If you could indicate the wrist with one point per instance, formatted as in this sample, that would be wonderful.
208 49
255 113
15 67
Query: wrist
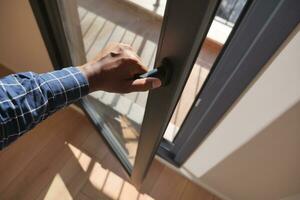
89 73
83 71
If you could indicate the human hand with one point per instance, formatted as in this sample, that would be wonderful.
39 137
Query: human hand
114 69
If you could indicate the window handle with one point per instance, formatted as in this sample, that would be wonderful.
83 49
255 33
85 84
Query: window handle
162 72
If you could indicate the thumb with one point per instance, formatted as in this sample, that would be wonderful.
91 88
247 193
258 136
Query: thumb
145 84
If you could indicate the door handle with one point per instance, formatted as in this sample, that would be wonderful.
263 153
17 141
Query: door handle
163 72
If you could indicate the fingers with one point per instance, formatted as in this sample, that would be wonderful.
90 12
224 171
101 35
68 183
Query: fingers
136 65
144 84
113 49
138 68
126 46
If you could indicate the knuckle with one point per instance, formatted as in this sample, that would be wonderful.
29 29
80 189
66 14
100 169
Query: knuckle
123 60
117 47
126 46
114 53
133 60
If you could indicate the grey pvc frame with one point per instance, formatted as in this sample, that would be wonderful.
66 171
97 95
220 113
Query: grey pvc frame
184 29
261 31
48 18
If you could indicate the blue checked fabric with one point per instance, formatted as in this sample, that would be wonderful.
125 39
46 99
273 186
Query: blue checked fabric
28 98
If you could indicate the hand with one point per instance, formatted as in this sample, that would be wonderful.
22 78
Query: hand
113 70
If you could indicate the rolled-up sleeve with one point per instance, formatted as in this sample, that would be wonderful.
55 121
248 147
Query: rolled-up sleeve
28 98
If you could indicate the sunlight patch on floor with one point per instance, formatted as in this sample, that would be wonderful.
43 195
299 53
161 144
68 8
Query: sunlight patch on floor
83 159
56 184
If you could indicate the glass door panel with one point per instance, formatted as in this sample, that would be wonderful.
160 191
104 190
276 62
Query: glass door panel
133 23
135 138
132 124
219 30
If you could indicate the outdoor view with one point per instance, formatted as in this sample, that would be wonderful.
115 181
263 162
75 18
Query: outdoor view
133 22
227 14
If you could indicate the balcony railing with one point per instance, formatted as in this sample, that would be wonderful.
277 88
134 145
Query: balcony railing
229 11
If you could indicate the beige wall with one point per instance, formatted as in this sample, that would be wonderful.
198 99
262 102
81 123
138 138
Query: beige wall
293 197
21 44
254 152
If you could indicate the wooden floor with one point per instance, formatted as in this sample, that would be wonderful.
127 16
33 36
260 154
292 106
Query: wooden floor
65 158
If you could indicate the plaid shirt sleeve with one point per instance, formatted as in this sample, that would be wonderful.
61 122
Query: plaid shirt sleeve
28 98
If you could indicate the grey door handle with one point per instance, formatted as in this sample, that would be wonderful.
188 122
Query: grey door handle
163 72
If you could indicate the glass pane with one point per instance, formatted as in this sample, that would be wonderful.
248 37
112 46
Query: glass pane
226 16
134 22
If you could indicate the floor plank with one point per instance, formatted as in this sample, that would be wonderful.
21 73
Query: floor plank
42 168
74 173
91 35
87 22
99 44
76 164
169 185
192 191
155 170
94 146
82 196
19 154
81 12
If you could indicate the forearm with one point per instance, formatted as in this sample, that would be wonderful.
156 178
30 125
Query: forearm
28 98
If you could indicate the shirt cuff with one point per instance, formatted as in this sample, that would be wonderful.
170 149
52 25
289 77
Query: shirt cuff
66 85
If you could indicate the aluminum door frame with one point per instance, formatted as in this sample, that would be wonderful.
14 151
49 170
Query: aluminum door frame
260 31
184 29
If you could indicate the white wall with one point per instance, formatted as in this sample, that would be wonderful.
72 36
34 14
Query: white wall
254 152
21 44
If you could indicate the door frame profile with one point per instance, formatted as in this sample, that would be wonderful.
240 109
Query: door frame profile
260 31
48 14
182 55
180 41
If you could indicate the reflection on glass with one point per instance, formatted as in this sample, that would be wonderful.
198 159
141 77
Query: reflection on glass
223 22
134 22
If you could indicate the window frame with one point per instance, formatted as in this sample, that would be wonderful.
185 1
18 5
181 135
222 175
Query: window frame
180 42
251 44
253 41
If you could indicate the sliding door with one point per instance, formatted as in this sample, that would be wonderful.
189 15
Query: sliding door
132 124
